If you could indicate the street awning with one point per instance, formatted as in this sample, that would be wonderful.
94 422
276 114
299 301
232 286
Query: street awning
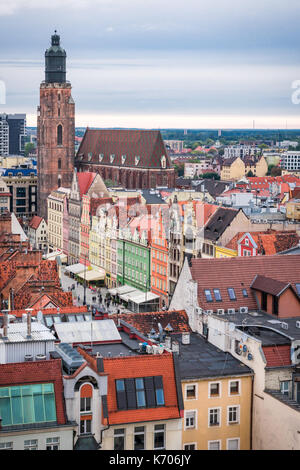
122 290
143 297
75 268
92 274
54 254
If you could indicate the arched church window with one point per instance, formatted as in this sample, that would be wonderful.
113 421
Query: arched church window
59 134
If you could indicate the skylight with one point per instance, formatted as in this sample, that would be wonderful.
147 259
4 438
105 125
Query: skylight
231 293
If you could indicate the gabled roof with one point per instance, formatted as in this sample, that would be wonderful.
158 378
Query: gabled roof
35 222
218 222
146 144
85 180
268 242
269 285
239 273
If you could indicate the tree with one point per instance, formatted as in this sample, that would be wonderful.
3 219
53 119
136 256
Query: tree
109 183
210 176
29 147
179 169
276 171
250 174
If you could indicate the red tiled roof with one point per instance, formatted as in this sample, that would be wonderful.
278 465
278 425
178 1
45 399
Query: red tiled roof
35 222
277 356
144 322
268 242
142 366
50 311
239 273
85 180
269 285
147 144
49 371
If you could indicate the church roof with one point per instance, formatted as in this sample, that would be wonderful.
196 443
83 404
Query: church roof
123 148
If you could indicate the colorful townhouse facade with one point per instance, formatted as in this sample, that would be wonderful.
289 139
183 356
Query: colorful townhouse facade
159 247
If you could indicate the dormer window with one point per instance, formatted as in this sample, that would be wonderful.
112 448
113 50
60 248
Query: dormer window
123 159
137 159
163 161
112 157
101 156
90 156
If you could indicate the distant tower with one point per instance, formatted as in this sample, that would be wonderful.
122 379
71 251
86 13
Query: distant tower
56 126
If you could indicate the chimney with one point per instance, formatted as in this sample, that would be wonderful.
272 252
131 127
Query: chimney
28 325
185 338
5 324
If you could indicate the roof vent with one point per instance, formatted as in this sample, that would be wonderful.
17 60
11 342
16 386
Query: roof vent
40 357
28 357
243 309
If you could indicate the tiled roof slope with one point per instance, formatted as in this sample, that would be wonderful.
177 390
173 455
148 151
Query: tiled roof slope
277 356
142 366
85 180
239 273
144 322
268 285
147 144
269 243
49 371
218 223
35 222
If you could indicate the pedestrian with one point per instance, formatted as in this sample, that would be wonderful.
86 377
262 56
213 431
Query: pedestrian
78 298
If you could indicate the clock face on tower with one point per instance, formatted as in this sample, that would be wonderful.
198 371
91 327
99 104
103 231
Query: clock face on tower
56 127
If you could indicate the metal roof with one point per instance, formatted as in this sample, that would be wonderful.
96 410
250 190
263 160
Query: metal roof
17 332
87 332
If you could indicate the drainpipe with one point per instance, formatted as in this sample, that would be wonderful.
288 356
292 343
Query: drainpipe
251 412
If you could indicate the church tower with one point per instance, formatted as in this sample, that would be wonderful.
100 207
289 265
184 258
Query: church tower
55 127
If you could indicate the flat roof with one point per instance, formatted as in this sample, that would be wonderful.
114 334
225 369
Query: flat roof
201 359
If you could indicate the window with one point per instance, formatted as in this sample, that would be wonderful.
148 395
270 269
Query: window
85 404
119 439
190 419
245 293
208 295
85 426
59 163
6 446
214 417
298 288
159 436
139 438
214 445
190 391
31 444
217 295
214 389
233 414
233 444
140 393
59 134
231 293
52 443
234 387
189 447
27 404
285 387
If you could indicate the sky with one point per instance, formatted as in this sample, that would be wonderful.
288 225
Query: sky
159 63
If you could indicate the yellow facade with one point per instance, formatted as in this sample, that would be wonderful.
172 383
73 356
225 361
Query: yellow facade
293 209
55 203
235 171
222 252
259 169
233 412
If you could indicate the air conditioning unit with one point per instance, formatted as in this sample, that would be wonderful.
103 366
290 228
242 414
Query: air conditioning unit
231 311
209 312
149 349
243 309
199 310
297 324
284 326
220 311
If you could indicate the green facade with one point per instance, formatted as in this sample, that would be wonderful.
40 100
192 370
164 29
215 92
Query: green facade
134 265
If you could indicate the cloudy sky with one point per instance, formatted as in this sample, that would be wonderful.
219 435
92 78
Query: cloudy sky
159 63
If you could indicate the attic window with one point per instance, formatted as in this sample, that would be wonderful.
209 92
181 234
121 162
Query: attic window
298 288
163 161
112 157
231 293
142 392
90 155
123 158
208 295
245 293
101 155
137 159
217 295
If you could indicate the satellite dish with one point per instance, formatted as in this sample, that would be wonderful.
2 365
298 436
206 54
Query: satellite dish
40 316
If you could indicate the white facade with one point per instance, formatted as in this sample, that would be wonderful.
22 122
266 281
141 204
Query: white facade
291 161
4 135
42 439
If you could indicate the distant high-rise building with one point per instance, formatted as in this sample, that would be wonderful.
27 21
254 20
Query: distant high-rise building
56 127
17 133
4 135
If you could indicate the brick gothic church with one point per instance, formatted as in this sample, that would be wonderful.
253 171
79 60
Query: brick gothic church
135 159
55 127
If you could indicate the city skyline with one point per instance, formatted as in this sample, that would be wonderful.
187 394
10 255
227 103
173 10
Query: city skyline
159 65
